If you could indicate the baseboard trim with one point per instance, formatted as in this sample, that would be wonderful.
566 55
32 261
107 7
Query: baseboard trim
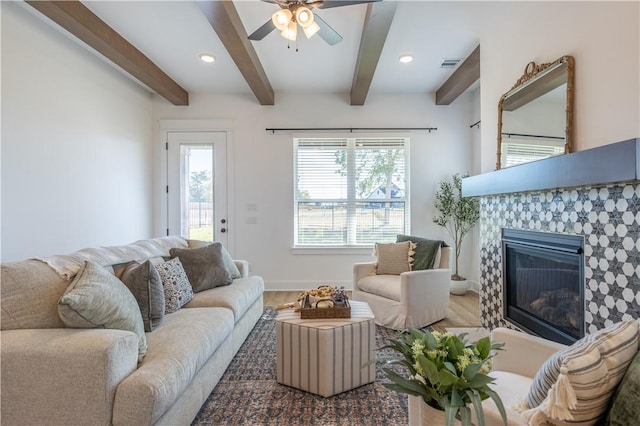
303 285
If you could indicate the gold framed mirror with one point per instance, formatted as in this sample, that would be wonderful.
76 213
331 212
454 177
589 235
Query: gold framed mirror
535 116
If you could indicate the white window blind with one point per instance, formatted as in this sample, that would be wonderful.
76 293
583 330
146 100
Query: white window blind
350 191
518 153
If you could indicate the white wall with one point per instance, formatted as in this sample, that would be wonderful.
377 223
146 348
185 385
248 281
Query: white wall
76 145
264 170
604 39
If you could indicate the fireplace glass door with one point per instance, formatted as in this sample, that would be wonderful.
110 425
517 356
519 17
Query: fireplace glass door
544 284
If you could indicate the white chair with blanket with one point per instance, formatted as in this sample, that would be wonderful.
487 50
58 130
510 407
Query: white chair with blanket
404 288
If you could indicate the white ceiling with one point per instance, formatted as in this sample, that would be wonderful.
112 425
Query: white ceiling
174 33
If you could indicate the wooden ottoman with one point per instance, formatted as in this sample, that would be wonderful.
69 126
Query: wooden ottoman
326 356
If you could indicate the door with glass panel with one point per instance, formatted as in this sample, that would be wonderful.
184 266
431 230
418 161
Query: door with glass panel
197 185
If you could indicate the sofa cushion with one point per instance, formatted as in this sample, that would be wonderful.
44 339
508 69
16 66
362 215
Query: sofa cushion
228 261
394 258
144 282
204 266
426 251
30 291
97 299
176 286
178 349
625 409
577 382
239 296
382 285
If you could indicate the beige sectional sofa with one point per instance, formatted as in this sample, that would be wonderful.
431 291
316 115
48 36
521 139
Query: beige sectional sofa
57 375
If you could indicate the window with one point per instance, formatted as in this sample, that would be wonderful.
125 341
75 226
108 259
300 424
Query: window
350 191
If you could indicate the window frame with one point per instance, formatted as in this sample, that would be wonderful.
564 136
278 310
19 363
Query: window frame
352 198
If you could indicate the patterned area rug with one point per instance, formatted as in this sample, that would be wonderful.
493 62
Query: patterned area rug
249 395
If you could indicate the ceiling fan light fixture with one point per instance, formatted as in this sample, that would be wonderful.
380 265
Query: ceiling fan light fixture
311 29
282 18
304 16
290 32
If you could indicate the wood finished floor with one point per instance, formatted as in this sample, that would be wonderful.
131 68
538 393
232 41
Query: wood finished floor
463 310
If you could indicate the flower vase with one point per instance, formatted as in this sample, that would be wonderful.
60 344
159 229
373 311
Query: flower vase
422 414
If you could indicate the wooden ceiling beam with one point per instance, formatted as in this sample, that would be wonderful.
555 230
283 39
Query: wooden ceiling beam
77 19
467 73
223 17
374 34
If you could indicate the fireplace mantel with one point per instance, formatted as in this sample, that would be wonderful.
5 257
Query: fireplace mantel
615 163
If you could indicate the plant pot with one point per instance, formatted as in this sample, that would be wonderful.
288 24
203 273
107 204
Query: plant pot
420 413
459 287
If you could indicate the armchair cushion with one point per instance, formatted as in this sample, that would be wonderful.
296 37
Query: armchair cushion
426 251
394 258
577 382
383 285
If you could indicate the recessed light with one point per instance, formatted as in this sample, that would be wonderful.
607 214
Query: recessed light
207 58
405 59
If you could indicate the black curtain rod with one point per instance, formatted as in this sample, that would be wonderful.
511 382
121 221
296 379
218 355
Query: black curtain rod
350 129
532 136
477 123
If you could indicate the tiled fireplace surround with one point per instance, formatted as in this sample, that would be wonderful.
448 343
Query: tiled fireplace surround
606 214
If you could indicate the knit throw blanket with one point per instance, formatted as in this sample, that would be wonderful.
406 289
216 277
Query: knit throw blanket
67 266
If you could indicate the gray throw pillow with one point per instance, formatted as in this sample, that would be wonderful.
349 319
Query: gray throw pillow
625 409
177 289
144 282
229 264
97 299
425 252
204 266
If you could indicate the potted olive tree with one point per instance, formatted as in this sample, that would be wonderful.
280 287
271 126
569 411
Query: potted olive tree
457 214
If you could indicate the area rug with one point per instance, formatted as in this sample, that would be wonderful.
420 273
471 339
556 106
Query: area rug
248 394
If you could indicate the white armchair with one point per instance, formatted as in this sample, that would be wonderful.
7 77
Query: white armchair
411 299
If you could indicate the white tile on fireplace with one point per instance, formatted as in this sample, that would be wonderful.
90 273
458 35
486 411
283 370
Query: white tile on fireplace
609 278
627 268
621 305
622 205
628 243
609 205
621 230
627 191
609 229
609 302
621 280
627 294
621 256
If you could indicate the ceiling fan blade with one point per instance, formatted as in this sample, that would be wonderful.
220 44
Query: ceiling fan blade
326 4
263 31
327 33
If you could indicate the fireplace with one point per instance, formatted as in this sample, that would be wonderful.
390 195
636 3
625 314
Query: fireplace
543 283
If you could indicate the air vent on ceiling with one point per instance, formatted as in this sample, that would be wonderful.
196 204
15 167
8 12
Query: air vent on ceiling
449 63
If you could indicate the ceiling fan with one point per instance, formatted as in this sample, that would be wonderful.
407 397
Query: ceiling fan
298 12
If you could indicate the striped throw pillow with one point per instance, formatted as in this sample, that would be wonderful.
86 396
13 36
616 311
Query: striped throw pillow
575 384
394 258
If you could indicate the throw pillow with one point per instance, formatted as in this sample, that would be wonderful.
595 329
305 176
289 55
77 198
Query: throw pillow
95 298
177 289
425 252
229 264
144 282
578 381
204 266
625 409
394 258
